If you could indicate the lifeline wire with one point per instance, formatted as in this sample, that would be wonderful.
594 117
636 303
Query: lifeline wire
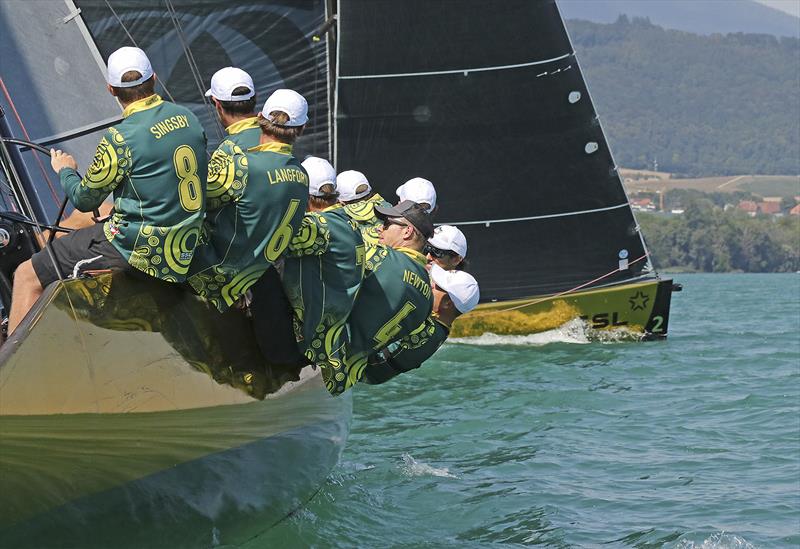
565 292
9 169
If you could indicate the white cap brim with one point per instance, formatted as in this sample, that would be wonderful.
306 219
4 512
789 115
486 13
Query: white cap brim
461 287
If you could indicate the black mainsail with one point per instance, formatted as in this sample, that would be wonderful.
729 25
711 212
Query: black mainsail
493 109
488 102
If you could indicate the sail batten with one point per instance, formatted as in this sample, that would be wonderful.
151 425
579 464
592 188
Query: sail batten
534 217
460 71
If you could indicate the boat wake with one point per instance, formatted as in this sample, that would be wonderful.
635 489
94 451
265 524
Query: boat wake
413 468
575 331
720 540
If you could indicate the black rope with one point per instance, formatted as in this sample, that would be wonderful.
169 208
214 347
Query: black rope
133 41
193 68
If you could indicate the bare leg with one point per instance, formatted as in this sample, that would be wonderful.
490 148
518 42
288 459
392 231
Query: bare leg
26 291
80 220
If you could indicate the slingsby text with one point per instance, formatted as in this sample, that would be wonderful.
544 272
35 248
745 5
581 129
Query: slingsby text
160 129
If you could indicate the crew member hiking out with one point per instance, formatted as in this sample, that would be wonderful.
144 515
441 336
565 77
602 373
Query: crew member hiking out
234 97
359 202
447 248
256 204
454 293
153 162
322 271
395 299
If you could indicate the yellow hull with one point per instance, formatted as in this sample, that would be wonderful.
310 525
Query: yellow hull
640 307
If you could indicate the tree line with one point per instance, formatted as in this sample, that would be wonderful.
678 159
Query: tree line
708 238
699 105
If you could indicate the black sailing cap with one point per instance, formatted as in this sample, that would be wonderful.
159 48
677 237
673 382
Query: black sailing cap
411 212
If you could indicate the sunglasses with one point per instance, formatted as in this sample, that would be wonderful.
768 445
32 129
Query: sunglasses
388 222
438 253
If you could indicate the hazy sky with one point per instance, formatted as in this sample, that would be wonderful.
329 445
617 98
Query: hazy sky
789 6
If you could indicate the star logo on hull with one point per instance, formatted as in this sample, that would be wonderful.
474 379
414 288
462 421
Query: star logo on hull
639 301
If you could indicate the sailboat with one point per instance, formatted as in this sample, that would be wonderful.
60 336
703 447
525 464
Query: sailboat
131 416
487 100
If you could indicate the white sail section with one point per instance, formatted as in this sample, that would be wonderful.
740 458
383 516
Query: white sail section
51 83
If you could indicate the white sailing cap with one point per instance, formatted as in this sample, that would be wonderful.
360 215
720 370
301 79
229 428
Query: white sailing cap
459 285
320 172
290 102
228 79
418 190
128 59
447 237
352 185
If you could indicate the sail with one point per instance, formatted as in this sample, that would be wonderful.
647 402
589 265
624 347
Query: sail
188 41
489 104
52 83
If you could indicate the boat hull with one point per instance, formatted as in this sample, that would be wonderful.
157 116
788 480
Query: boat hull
123 432
639 308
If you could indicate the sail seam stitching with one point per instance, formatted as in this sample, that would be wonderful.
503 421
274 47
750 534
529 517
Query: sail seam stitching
458 71
548 216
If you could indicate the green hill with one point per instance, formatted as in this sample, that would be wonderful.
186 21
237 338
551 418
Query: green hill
700 105
698 16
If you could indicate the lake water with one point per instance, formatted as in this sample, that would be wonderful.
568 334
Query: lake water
687 443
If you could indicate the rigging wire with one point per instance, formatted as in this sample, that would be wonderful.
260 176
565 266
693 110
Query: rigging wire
12 175
28 137
10 197
133 41
193 68
44 150
560 294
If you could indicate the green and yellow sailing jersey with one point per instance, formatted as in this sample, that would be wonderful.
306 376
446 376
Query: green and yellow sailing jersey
363 213
322 272
400 357
256 205
152 161
394 302
245 134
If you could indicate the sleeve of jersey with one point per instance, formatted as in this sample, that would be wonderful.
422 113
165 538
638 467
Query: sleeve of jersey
401 357
418 337
226 171
111 164
313 238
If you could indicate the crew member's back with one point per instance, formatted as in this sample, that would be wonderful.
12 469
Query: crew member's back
259 199
153 162
395 299
158 212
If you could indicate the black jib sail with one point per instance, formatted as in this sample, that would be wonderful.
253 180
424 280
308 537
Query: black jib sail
494 110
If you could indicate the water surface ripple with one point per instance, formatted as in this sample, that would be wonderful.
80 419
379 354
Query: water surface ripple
687 443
